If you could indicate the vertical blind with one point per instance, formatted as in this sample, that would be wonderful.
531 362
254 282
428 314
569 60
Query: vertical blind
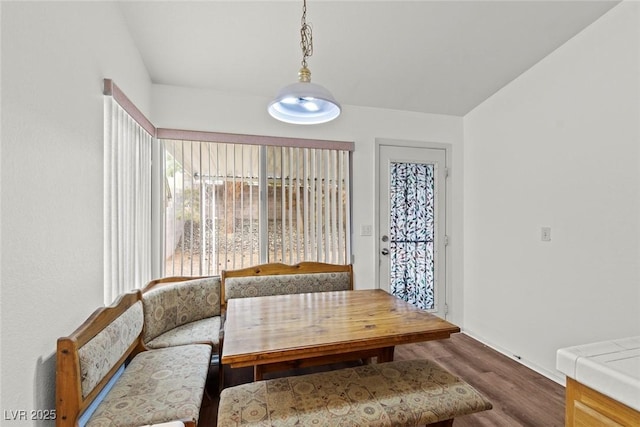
230 205
127 206
230 200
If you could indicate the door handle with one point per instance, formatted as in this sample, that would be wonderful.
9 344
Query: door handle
384 251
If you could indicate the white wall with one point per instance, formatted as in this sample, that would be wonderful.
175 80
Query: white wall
557 147
183 108
54 57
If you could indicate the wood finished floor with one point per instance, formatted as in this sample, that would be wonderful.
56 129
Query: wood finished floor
520 396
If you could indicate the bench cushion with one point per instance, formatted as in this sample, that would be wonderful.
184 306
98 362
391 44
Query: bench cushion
157 386
101 353
284 284
171 305
400 393
200 331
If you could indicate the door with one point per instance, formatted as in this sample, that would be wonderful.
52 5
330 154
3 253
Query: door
411 229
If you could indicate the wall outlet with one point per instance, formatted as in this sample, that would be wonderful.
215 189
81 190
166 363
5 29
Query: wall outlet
545 234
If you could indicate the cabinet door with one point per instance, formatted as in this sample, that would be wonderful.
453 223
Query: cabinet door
585 416
586 407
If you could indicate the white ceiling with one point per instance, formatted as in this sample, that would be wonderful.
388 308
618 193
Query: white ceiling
426 56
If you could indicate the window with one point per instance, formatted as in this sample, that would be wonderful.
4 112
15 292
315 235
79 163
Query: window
231 205
230 201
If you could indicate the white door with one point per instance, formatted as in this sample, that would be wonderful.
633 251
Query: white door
411 229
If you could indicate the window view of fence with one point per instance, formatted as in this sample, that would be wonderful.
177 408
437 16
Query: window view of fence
216 219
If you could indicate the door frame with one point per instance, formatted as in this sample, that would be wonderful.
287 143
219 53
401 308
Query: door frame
446 264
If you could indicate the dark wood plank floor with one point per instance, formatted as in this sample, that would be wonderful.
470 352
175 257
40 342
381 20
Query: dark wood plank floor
520 396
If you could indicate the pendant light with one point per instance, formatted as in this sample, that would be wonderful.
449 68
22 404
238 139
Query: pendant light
304 103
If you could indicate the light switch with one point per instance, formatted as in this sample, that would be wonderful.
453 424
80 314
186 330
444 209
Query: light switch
366 230
545 234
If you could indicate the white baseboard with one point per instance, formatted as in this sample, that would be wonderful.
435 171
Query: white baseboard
553 376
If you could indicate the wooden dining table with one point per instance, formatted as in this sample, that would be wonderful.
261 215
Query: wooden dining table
282 332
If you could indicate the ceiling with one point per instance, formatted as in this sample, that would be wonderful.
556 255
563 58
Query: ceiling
441 57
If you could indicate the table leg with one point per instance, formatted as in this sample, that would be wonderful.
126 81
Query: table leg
386 354
257 372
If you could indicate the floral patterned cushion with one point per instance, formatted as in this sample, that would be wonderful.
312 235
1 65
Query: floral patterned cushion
200 331
283 284
157 386
171 305
401 393
103 351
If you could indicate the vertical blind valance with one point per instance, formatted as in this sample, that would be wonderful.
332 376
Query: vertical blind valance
262 140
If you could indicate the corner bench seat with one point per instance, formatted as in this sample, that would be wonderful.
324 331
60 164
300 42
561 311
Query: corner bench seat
182 310
399 393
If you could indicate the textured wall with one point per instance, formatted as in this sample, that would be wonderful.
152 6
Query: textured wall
54 57
558 147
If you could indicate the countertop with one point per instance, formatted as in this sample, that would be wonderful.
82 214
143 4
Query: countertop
609 367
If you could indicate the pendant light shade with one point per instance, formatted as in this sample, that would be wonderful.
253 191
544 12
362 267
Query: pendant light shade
304 103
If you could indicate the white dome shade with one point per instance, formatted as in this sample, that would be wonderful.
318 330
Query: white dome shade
304 103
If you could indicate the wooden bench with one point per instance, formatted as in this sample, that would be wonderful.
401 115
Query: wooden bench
106 376
283 279
393 394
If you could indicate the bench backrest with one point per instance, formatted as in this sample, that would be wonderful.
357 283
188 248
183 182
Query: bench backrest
282 279
88 358
174 301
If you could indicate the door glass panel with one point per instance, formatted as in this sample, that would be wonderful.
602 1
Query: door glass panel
411 233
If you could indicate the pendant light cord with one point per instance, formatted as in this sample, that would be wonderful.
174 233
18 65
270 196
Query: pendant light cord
306 42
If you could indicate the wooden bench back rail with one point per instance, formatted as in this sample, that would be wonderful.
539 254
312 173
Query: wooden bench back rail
262 279
171 279
109 337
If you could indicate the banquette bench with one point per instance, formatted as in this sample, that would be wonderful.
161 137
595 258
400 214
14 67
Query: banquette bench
144 360
125 348
392 394
106 376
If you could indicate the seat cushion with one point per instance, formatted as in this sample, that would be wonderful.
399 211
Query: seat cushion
401 393
157 386
201 331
